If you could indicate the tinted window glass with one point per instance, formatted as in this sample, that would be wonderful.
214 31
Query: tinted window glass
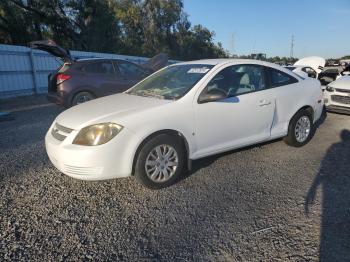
129 69
99 68
239 79
279 78
331 71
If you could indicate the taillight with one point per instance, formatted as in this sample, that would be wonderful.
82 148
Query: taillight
61 78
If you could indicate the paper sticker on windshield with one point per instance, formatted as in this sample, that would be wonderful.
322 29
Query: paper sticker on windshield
198 70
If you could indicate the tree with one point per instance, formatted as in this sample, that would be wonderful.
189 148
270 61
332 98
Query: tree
133 27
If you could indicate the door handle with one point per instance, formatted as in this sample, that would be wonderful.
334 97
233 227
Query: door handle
264 103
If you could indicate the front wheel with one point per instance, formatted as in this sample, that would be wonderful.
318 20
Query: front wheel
300 129
160 162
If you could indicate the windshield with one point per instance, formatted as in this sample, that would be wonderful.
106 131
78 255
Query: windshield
171 82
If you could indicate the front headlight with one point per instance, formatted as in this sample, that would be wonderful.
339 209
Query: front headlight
329 88
97 134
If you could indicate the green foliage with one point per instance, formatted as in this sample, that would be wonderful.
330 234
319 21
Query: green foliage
133 27
282 60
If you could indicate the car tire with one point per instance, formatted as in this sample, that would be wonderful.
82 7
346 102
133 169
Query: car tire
154 168
300 130
82 97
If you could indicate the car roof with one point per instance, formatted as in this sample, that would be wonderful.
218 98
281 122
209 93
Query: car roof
223 61
99 59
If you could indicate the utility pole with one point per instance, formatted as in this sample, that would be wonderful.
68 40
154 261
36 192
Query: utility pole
292 47
232 44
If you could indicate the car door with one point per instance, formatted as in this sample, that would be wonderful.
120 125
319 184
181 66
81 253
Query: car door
288 93
100 76
244 117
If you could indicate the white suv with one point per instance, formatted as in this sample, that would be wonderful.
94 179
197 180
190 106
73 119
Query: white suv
337 95
183 112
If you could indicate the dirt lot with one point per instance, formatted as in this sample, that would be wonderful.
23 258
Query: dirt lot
269 202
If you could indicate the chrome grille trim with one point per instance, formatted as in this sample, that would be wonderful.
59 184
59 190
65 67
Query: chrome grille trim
56 135
63 128
60 132
341 99
342 90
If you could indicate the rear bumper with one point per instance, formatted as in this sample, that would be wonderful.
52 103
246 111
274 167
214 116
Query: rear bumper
58 99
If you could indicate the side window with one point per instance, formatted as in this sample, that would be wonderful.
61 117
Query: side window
310 72
279 78
99 68
239 79
129 69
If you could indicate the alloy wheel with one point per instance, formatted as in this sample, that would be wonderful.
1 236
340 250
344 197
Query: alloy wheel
161 163
302 129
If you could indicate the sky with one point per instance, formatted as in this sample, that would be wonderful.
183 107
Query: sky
320 27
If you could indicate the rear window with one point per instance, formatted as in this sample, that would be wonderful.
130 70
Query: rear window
279 78
331 71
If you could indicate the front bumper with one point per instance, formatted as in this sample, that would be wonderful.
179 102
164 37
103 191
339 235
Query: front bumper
111 160
338 109
339 105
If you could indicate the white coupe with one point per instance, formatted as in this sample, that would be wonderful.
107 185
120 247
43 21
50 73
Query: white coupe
183 112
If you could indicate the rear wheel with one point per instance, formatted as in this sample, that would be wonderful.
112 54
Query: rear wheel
300 129
82 97
160 162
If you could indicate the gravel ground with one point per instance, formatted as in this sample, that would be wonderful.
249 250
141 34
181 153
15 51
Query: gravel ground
269 202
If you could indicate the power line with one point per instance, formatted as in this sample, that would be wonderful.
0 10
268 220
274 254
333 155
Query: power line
232 44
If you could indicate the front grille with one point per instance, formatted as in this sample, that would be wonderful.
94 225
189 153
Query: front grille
82 171
60 132
341 99
342 90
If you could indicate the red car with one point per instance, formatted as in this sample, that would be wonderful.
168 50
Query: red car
78 81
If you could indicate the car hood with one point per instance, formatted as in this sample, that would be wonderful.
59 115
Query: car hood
105 109
315 62
342 82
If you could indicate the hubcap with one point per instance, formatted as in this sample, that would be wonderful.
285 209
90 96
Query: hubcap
161 163
302 129
82 99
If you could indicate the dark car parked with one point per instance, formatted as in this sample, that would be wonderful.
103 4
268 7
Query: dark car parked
328 75
78 81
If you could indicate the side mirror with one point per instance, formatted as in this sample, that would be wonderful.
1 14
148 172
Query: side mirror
211 96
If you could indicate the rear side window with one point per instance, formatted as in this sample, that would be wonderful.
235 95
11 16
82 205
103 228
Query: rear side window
99 68
279 78
129 69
